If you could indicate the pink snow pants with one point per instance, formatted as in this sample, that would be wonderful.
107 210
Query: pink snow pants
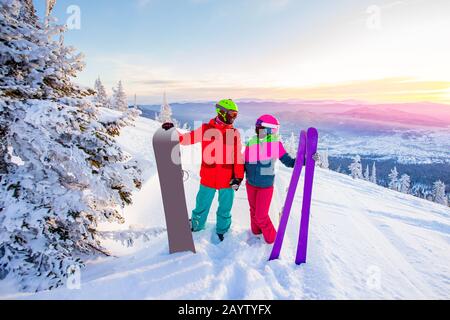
259 200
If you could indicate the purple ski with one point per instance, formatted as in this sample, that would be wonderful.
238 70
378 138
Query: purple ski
311 149
290 196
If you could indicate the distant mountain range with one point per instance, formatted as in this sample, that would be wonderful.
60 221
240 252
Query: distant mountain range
405 115
394 116
408 132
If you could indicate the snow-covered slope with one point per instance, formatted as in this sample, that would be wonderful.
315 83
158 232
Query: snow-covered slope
365 242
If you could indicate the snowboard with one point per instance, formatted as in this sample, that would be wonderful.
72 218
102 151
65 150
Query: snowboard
168 161
311 149
290 196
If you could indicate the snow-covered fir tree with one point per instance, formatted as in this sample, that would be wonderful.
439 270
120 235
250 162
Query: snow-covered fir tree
165 114
326 161
72 174
291 145
439 193
418 190
367 174
393 179
126 118
323 161
119 100
101 97
405 184
356 168
373 176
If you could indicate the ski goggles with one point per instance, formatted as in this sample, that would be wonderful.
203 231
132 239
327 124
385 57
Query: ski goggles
231 114
261 124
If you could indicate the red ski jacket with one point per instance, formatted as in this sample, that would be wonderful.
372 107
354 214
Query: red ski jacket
222 158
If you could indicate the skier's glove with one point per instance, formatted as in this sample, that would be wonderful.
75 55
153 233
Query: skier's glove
235 184
167 126
316 157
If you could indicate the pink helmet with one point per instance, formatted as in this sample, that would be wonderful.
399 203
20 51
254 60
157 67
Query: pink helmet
268 121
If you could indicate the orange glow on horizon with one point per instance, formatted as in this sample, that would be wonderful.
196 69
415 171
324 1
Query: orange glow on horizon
389 90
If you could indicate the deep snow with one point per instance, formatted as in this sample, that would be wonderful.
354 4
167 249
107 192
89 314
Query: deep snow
365 242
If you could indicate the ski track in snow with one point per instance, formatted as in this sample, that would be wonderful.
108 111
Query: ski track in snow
365 242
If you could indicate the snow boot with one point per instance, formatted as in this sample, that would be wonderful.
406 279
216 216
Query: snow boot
255 229
217 238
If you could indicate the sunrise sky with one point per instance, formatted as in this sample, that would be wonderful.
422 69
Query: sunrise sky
369 50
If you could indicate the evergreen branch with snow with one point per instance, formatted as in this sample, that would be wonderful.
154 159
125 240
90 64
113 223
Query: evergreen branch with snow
128 237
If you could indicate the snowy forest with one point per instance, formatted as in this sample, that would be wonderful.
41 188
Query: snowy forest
61 170
395 181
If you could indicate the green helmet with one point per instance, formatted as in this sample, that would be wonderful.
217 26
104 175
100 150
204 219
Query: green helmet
227 104
227 110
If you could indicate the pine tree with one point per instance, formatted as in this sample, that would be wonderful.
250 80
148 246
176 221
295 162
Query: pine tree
165 114
101 97
418 191
393 179
439 193
49 5
292 145
373 176
367 174
323 162
72 175
119 100
135 105
405 184
356 168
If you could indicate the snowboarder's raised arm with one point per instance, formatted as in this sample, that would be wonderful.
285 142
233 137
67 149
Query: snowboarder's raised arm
191 137
188 138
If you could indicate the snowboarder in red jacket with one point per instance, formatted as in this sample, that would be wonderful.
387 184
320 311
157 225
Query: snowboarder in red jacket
222 165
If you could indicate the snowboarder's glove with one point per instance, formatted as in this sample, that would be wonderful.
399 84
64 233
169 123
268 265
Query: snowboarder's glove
235 184
167 126
316 157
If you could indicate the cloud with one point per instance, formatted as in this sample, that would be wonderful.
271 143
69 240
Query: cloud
157 82
269 6
278 3
147 76
173 83
399 89
393 4
199 1
389 90
143 3
396 3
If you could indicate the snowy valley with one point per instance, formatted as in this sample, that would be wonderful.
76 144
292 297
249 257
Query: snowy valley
401 135
365 242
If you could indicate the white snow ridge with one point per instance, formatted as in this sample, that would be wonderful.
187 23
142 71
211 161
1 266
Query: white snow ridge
365 242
